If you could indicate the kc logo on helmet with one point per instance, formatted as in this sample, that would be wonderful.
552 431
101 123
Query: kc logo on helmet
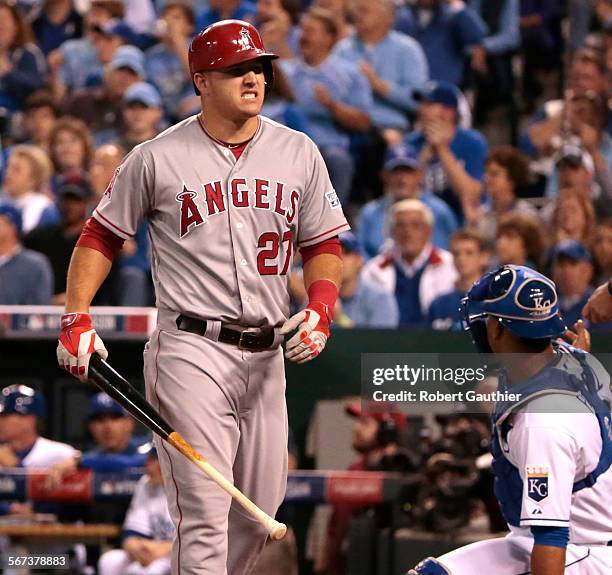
537 483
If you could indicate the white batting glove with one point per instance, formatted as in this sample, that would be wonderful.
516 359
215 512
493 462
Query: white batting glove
312 326
77 341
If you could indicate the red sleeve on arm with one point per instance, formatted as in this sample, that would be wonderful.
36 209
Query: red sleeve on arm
330 246
99 238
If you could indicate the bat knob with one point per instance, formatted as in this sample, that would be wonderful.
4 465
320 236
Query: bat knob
278 531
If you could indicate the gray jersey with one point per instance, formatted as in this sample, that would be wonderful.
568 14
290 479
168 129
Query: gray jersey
222 230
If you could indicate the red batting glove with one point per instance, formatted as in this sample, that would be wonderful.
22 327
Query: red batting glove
312 326
77 341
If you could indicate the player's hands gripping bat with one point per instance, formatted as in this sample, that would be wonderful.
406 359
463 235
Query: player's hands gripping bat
109 381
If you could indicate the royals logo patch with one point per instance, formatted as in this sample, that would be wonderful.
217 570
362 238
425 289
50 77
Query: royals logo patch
537 483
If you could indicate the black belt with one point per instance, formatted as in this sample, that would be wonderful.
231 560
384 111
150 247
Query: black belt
252 339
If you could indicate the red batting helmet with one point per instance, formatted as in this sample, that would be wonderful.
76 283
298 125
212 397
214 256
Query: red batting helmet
227 43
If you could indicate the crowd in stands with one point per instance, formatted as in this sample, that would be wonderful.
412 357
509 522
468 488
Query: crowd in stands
459 135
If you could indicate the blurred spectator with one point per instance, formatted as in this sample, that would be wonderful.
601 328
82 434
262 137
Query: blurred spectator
140 15
26 181
57 22
277 21
40 115
393 63
224 9
142 114
57 242
341 11
402 179
75 60
362 304
166 62
22 410
542 44
447 31
602 250
414 272
454 156
491 61
587 120
506 175
573 217
332 93
572 272
22 65
519 240
281 107
106 160
25 276
147 532
70 148
376 435
107 39
471 258
100 107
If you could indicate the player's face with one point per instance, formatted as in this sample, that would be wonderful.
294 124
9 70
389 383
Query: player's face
111 432
237 92
18 176
469 259
364 433
403 183
411 233
13 426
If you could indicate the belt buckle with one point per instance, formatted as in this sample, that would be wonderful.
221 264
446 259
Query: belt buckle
248 340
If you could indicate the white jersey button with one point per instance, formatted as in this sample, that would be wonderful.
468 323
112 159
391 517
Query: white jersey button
239 225
243 262
226 152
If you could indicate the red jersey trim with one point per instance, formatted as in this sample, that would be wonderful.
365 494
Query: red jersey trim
329 246
100 238
105 221
344 225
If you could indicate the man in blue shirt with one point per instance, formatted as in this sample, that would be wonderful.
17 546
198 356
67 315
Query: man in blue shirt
26 277
447 31
454 156
393 63
332 93
402 179
471 258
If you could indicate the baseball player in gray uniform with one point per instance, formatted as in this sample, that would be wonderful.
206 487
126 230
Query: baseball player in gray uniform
227 194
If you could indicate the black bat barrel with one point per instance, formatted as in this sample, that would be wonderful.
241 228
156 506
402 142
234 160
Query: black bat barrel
115 385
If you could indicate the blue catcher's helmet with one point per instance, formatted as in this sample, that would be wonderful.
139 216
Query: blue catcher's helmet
23 400
524 301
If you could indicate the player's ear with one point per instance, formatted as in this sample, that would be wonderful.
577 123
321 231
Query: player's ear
495 332
200 81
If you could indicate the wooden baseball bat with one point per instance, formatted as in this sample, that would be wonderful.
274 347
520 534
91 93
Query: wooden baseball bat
115 385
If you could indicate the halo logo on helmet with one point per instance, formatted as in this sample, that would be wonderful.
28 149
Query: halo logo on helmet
246 42
524 301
